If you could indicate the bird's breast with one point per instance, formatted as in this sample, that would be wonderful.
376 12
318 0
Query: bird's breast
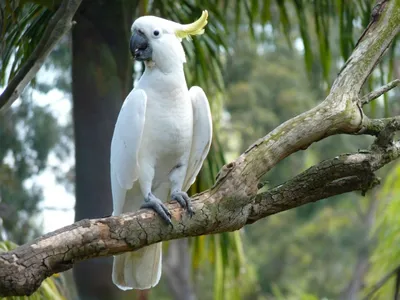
168 125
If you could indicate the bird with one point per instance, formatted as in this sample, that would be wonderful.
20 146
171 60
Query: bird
161 138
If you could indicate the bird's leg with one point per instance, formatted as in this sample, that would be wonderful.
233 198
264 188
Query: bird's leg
176 177
184 200
151 201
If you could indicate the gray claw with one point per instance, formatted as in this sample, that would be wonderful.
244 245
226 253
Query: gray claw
184 201
153 203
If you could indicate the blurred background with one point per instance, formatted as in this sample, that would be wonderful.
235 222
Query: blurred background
261 63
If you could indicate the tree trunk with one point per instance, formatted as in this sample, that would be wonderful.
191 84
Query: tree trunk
356 284
177 266
101 79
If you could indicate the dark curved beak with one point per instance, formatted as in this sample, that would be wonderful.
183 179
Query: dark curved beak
140 47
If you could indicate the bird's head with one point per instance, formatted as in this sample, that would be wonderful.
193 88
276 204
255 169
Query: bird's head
158 40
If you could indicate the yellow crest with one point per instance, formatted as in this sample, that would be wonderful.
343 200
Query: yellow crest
195 28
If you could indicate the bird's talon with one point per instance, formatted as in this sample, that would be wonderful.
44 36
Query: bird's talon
191 211
167 211
158 207
178 198
184 201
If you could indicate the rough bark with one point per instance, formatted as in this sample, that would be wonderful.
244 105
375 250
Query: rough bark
236 199
24 268
101 79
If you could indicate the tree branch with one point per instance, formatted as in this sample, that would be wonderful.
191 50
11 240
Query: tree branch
24 268
387 134
59 24
235 200
381 282
345 173
375 126
379 92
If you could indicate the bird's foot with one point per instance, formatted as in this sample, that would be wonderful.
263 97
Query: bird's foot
152 202
184 200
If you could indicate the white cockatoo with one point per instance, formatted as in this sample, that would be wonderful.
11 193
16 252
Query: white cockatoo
161 138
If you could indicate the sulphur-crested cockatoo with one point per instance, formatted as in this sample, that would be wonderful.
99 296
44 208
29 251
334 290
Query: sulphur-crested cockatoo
161 138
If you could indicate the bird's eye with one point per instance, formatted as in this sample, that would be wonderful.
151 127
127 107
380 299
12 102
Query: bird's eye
156 33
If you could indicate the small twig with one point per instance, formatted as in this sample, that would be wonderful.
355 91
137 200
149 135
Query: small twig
383 89
381 282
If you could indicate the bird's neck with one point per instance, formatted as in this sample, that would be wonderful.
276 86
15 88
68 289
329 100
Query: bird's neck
166 66
173 77
158 80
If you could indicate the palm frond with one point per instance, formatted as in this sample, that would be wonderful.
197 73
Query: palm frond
21 30
303 26
21 27
224 251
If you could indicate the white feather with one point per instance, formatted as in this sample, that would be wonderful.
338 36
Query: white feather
162 127
128 268
202 134
125 143
139 269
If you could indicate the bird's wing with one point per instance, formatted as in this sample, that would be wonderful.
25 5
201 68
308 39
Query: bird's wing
202 134
125 146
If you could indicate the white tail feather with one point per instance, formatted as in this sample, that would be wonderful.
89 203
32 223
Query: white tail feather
140 269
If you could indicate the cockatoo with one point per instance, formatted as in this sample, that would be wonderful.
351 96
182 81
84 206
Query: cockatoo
162 136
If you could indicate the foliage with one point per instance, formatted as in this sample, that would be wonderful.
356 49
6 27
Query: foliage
386 255
22 25
263 75
225 251
28 133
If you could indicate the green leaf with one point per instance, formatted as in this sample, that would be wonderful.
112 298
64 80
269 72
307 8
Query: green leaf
284 19
266 12
303 24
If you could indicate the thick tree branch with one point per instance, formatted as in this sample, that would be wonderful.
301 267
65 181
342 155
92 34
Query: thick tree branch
59 24
23 269
235 200
345 173
375 126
